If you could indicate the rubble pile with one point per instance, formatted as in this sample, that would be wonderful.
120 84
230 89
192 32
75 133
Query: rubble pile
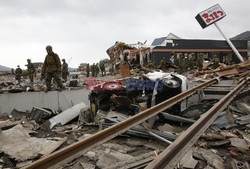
40 131
227 71
226 143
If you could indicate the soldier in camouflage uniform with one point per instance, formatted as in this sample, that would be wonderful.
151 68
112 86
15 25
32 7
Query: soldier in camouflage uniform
31 70
93 70
180 64
102 67
185 63
163 64
200 62
215 63
175 60
18 73
65 71
87 70
191 62
97 70
52 68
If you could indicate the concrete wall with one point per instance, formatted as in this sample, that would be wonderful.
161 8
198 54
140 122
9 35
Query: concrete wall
54 100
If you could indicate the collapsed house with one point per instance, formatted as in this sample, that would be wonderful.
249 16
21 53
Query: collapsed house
138 52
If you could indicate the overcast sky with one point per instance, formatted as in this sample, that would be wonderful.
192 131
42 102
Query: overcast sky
81 30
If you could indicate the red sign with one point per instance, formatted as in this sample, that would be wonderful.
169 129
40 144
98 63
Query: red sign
210 15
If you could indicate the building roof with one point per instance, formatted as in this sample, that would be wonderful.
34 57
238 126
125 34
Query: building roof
159 41
242 36
200 45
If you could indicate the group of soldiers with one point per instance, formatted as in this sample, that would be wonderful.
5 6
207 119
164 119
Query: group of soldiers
95 69
52 68
30 70
184 63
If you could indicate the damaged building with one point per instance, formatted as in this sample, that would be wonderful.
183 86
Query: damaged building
211 49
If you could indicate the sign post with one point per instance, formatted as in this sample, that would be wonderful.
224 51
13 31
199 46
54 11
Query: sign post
211 16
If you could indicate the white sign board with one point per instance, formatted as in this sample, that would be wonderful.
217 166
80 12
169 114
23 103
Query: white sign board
210 15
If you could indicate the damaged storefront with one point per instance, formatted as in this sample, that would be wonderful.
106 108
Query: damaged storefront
208 49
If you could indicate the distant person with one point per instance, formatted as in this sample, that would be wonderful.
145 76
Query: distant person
102 67
87 70
52 69
180 64
97 70
18 74
31 70
200 62
93 70
65 71
12 71
163 63
191 62
185 65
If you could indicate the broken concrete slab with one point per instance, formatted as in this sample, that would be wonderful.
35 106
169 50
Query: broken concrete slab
8 124
137 162
188 161
52 147
110 157
91 155
208 167
64 117
210 157
239 143
87 165
26 147
169 128
223 121
121 148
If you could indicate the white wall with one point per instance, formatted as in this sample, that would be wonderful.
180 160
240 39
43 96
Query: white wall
54 100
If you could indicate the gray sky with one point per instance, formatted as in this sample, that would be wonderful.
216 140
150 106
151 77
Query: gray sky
82 30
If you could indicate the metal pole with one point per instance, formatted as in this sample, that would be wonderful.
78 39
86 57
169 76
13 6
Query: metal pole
229 42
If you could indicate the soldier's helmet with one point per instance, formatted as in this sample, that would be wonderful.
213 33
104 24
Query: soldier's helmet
63 59
49 47
28 60
18 66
